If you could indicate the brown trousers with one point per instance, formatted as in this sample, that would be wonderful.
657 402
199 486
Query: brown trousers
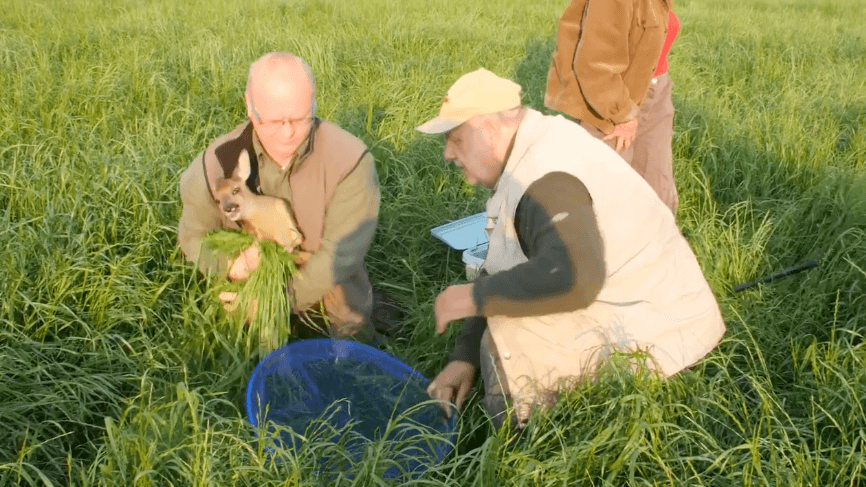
340 314
650 153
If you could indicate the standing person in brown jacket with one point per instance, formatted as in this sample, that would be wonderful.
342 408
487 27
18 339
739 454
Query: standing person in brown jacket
324 173
609 73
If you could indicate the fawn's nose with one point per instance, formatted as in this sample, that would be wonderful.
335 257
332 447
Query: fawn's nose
229 207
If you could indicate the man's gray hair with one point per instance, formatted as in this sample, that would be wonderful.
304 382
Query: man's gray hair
277 57
509 117
512 116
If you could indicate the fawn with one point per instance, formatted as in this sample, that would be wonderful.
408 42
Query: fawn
265 217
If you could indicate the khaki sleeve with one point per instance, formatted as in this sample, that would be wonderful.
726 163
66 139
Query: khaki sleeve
350 224
199 216
601 58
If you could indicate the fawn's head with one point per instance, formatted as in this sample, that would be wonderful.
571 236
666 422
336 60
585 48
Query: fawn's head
231 191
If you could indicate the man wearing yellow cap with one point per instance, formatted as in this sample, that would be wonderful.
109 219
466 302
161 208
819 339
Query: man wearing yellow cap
584 259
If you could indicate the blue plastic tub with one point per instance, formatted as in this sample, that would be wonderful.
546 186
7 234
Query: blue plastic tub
315 385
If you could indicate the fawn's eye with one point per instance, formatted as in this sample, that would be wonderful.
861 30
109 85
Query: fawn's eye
236 190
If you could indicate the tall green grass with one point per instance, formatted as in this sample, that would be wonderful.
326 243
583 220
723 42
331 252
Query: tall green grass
115 368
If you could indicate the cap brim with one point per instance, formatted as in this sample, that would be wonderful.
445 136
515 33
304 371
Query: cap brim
438 126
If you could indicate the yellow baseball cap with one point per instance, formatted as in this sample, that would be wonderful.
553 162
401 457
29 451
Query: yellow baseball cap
473 94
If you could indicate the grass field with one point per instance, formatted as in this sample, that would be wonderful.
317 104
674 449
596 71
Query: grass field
113 366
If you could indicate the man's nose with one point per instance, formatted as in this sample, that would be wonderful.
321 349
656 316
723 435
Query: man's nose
448 154
287 129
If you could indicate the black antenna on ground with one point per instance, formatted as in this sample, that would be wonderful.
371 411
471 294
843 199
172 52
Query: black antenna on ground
785 273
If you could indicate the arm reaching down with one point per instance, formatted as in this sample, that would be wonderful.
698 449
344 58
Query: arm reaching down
558 233
602 57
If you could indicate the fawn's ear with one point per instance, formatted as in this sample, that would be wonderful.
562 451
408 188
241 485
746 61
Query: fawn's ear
243 170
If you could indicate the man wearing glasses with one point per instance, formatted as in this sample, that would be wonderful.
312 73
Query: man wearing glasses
325 174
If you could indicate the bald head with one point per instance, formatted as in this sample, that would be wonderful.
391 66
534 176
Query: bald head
281 104
279 76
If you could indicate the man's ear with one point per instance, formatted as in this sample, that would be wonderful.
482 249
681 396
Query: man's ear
491 129
249 106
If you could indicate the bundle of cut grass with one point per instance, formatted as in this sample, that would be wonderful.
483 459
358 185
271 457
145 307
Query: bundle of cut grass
260 322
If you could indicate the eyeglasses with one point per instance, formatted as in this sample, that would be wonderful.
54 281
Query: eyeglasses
296 124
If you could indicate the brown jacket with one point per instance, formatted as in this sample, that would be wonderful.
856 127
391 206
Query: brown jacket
333 191
606 54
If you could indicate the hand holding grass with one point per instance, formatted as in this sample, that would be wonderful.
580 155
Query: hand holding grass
248 261
452 304
262 295
241 268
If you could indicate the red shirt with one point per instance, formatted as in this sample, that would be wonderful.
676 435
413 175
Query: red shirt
673 30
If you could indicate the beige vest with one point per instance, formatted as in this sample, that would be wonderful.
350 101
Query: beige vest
655 297
330 156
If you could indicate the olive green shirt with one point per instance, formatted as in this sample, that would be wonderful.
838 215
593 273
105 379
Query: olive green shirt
354 205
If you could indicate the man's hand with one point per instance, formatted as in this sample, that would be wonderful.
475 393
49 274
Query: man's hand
624 133
301 257
452 304
452 385
245 264
231 302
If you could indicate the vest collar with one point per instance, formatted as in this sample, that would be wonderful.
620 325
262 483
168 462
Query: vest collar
508 187
527 134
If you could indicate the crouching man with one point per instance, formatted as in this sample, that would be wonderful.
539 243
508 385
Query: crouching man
584 258
326 176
